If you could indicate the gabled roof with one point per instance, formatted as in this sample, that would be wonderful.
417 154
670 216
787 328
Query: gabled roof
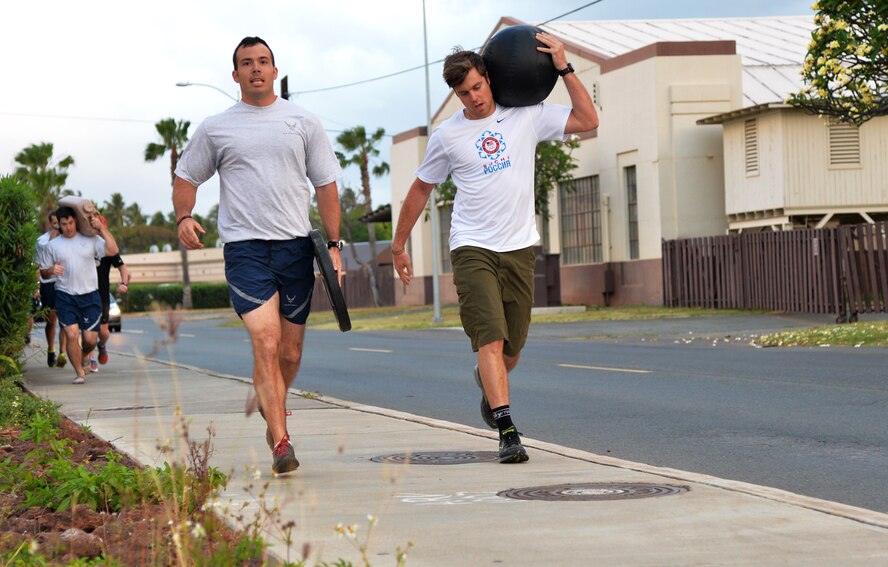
771 49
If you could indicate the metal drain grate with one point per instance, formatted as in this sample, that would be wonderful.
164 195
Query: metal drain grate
593 491
440 458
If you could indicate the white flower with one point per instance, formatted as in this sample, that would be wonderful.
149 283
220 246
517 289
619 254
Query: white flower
198 531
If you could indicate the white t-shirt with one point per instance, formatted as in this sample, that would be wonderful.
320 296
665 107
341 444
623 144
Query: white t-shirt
78 257
492 162
42 246
267 158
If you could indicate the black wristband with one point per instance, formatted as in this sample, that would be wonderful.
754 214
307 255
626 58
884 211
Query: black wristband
178 222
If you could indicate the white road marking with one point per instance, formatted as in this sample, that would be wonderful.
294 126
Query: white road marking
369 349
605 368
133 331
186 335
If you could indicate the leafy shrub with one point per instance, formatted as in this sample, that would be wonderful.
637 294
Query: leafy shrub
17 281
204 295
49 479
18 408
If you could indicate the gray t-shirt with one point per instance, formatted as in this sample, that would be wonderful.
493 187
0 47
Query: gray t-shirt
268 157
78 257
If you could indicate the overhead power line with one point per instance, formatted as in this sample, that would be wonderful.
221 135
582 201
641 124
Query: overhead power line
403 71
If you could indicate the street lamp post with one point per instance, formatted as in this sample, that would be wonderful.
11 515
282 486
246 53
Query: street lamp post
190 84
433 201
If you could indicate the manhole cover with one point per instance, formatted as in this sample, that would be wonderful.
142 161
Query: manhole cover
593 491
440 458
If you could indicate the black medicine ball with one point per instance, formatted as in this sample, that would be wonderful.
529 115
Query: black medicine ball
519 74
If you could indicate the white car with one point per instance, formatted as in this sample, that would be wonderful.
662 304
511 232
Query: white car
114 316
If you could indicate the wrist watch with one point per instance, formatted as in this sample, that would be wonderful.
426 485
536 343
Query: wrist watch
567 70
334 244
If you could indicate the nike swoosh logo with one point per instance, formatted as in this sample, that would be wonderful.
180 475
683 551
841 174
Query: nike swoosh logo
500 120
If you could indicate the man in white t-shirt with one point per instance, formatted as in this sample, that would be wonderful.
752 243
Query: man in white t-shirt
489 151
71 258
47 296
269 154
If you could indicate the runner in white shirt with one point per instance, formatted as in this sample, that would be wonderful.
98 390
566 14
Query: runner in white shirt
71 258
47 297
489 151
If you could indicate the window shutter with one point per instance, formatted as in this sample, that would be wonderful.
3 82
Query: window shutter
750 145
844 143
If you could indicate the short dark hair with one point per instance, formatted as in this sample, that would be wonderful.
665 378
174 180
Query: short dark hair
65 212
250 41
458 64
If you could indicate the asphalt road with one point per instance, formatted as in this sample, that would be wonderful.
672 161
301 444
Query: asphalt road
688 394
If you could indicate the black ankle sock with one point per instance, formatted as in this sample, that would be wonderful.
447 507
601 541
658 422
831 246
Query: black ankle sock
503 417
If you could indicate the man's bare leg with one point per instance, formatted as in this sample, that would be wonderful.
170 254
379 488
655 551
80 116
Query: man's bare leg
50 331
495 366
264 327
72 346
89 344
292 339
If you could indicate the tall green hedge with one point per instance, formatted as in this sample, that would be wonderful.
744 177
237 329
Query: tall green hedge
203 296
18 282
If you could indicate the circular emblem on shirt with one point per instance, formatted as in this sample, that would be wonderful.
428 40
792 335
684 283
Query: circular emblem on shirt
490 145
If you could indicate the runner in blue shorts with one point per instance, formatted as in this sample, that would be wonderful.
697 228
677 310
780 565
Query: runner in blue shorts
270 155
257 270
47 297
71 258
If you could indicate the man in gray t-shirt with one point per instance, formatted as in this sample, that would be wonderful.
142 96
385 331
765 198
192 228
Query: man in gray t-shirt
269 154
71 258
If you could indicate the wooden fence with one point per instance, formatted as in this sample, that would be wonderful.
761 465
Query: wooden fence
356 288
842 270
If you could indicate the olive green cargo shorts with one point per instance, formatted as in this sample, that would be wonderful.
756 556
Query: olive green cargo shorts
495 292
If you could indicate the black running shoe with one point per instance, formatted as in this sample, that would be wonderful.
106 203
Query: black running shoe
284 457
51 359
486 412
510 448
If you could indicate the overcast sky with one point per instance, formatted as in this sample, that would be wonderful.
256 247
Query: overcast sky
93 77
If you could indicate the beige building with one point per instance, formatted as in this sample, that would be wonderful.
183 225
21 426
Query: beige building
787 169
651 171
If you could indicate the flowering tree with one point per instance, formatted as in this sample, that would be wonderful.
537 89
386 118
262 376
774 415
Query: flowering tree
846 70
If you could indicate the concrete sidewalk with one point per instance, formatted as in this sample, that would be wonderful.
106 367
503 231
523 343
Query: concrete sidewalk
352 465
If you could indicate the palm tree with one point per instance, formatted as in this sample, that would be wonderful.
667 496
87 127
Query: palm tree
132 215
114 211
46 180
174 136
158 219
362 149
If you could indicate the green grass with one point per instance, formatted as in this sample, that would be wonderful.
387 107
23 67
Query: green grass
420 317
411 318
858 334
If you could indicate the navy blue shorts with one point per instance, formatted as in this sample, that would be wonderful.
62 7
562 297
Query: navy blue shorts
83 310
47 294
257 269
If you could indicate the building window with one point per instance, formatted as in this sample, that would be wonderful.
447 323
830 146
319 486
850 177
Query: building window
844 144
750 146
580 221
632 211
